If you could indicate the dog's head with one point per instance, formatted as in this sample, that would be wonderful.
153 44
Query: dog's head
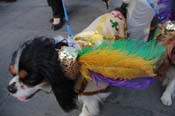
35 66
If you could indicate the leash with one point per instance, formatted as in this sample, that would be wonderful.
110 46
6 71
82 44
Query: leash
156 10
70 40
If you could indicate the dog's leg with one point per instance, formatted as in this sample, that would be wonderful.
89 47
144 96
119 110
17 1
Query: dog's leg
168 93
91 104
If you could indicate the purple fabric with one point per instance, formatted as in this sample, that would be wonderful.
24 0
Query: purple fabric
137 83
167 13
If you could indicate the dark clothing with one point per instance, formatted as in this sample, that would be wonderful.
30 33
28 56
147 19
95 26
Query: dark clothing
57 8
8 0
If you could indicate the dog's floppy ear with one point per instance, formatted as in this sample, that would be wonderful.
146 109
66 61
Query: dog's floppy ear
62 86
169 43
45 64
169 58
65 94
48 66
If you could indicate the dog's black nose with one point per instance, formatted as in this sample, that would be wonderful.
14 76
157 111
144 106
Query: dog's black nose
12 88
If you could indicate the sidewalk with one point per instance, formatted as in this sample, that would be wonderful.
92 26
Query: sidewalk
26 19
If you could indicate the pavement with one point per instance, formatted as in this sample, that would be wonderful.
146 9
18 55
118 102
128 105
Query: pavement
25 19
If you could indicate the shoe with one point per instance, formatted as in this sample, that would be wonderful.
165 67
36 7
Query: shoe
58 26
8 0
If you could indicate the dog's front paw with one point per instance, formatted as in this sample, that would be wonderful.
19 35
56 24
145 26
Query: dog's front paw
166 99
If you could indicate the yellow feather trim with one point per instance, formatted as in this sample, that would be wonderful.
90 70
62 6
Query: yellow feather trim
115 64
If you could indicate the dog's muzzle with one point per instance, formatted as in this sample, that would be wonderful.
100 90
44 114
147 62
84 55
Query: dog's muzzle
12 88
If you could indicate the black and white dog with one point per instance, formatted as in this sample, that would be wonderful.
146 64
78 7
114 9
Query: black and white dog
35 66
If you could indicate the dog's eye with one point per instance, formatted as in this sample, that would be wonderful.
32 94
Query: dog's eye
29 82
13 75
32 79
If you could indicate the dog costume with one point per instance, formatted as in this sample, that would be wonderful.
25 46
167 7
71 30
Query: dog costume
104 64
118 60
110 26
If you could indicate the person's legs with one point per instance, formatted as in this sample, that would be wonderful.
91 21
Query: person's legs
57 8
58 13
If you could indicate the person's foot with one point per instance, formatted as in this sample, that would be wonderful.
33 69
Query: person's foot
57 23
8 0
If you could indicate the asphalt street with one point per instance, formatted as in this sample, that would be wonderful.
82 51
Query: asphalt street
25 19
